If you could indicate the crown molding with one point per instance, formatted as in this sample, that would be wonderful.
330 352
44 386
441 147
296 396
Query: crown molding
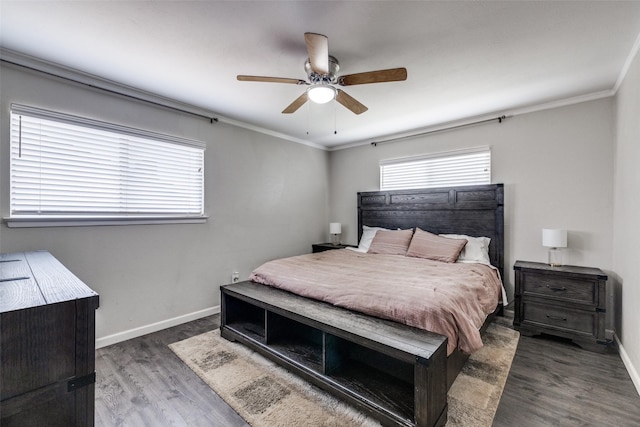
625 68
468 121
96 82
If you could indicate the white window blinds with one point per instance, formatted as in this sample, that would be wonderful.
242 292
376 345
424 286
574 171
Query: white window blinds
465 167
69 167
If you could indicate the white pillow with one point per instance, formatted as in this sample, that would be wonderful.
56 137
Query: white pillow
476 249
368 233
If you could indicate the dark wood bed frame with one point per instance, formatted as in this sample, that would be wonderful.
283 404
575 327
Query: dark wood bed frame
397 374
471 210
474 210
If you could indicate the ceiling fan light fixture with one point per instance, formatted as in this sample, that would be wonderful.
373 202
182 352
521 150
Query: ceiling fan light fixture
321 93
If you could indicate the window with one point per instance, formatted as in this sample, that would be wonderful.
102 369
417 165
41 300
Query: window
464 167
71 168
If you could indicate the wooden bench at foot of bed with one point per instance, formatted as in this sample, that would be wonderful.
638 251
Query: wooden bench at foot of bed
397 374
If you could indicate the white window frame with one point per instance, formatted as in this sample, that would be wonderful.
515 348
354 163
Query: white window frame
470 166
121 175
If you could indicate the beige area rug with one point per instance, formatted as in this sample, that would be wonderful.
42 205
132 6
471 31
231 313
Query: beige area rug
265 394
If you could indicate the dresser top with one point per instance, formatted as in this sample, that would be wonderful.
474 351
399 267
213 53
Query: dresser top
571 269
31 279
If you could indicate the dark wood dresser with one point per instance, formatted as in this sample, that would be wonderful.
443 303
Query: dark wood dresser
566 301
47 343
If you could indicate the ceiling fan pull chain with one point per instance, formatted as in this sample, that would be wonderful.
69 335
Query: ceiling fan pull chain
308 117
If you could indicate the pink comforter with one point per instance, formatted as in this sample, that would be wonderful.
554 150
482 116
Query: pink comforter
449 299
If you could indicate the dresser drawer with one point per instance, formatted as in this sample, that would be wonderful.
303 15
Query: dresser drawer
576 321
47 343
581 291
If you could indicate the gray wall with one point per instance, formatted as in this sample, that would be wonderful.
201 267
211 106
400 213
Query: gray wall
266 198
269 198
626 231
556 165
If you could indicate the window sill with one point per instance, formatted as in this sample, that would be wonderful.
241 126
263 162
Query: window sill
91 222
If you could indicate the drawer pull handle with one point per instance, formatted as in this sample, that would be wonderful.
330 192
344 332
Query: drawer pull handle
564 319
554 288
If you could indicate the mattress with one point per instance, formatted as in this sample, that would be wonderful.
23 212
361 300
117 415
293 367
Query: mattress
451 299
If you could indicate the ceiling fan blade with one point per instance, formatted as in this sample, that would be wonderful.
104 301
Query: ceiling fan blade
351 103
293 107
318 49
380 76
271 80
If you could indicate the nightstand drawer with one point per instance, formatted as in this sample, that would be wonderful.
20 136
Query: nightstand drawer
582 322
559 287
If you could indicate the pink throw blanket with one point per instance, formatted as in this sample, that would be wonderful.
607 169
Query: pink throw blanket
451 299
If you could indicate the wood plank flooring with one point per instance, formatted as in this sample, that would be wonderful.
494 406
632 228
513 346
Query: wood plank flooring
140 382
553 382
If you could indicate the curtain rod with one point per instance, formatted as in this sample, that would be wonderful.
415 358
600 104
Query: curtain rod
111 91
499 119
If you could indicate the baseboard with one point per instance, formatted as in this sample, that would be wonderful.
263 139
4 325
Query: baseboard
155 327
633 373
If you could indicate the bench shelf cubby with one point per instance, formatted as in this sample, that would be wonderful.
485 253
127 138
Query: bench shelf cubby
395 373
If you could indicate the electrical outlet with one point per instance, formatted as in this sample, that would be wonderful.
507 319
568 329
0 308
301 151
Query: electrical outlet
235 276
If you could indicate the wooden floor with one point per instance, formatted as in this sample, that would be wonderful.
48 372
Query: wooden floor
140 382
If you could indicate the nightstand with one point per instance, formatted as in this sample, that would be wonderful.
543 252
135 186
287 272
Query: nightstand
321 247
565 301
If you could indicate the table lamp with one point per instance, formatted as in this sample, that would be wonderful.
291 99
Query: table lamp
335 229
555 239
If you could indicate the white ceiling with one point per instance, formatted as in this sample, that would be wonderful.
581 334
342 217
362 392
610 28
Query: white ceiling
464 59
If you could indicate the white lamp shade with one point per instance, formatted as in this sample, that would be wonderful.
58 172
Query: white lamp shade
554 238
335 228
321 93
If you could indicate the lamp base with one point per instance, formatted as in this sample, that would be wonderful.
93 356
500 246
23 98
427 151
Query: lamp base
555 257
335 239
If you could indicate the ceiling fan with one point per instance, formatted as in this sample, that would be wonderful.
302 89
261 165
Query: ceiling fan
322 71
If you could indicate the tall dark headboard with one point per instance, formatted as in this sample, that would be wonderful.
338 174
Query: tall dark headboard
472 210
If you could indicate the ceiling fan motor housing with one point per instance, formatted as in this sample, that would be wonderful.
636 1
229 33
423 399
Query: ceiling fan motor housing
330 78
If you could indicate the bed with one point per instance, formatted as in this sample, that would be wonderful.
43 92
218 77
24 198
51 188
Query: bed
262 316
